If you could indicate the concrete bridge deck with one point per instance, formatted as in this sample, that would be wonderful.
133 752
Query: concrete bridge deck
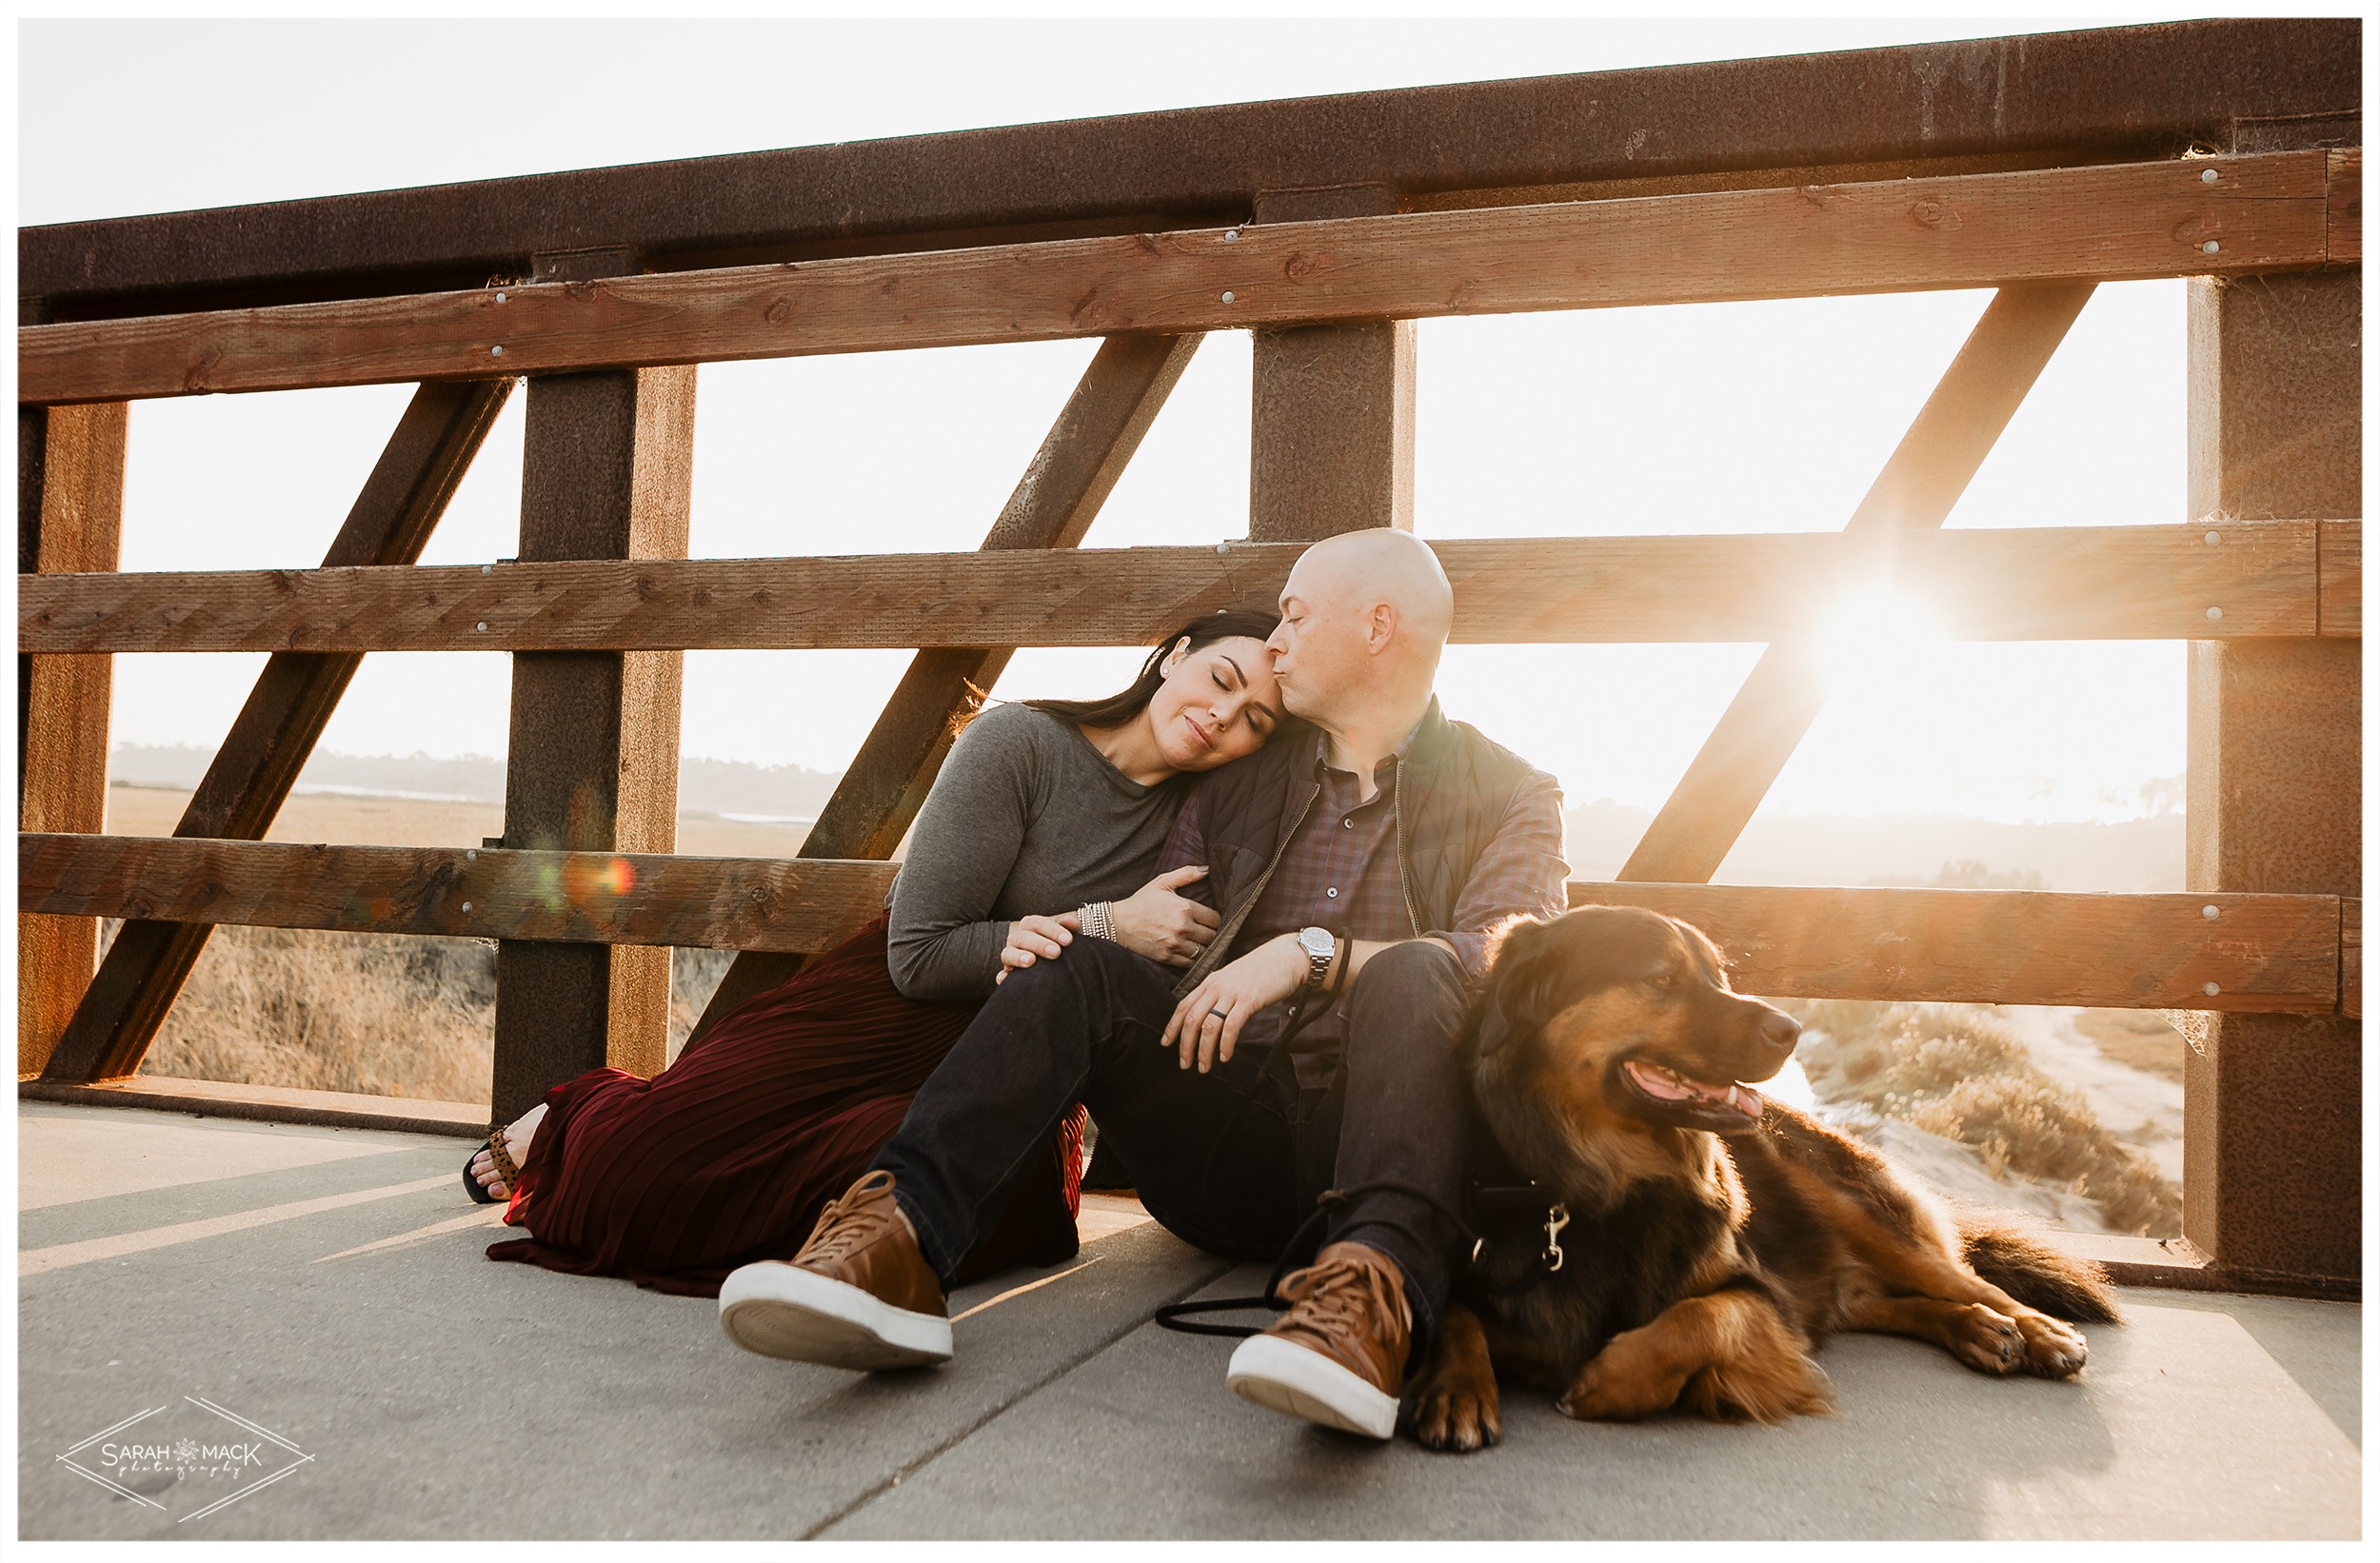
298 1326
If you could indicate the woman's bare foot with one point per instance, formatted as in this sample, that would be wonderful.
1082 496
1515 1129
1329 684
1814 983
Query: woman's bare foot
517 1137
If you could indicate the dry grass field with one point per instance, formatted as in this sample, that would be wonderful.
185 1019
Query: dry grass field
2137 1038
1959 1072
414 822
386 1015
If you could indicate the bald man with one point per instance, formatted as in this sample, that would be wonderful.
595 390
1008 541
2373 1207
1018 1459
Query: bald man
1359 863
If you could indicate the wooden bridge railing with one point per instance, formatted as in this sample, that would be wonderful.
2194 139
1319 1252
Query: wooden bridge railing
2213 151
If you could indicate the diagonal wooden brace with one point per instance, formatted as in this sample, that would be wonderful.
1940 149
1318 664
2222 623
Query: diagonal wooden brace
1053 504
1918 487
252 774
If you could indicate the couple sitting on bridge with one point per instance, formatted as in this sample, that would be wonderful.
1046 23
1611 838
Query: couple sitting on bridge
1319 856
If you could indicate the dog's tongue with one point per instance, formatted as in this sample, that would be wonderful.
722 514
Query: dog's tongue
1661 1084
1671 1086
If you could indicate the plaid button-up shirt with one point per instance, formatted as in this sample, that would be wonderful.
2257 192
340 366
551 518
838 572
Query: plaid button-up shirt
1339 872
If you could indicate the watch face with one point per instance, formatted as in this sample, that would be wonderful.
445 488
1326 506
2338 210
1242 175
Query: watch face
1316 941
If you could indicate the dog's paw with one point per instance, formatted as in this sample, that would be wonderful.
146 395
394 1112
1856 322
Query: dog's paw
1602 1392
2054 1349
1987 1341
1454 1418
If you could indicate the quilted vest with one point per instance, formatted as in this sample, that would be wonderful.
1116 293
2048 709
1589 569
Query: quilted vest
1453 787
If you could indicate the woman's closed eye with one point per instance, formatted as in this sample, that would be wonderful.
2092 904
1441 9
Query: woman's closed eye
1261 719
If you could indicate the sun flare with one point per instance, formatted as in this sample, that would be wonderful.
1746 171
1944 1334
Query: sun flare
1877 632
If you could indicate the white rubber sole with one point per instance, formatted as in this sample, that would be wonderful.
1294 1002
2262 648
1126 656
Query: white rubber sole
780 1310
1283 1377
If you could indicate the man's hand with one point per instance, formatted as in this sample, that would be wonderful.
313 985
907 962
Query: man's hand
1207 1023
1035 938
1159 923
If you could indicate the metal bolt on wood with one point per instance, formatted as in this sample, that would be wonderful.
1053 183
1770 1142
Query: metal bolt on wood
2210 913
2214 988
2212 613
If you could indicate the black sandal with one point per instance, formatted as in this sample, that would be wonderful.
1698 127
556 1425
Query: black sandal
506 1166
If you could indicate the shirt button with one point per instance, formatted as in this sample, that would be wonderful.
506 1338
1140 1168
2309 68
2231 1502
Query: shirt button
1332 892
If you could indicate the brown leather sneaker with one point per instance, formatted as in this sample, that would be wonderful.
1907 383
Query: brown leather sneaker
859 1294
1338 1356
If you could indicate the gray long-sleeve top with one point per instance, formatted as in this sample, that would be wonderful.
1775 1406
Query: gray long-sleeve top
1025 817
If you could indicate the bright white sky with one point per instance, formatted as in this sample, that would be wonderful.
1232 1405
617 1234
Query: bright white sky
1718 418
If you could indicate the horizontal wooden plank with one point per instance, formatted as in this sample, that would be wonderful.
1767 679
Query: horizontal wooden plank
2256 214
804 905
2273 953
2141 583
2342 583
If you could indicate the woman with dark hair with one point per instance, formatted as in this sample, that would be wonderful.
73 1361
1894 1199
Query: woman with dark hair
1044 823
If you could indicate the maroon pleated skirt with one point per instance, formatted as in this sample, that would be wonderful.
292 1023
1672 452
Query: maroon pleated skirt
728 1155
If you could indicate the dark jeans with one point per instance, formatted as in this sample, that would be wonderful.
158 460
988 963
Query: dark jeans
1231 1159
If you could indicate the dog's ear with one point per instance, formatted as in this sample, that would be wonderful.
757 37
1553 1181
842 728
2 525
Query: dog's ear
1520 982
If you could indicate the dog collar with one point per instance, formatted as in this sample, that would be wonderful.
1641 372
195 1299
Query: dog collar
1555 1215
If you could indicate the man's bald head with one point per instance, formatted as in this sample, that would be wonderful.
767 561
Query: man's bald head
1354 570
1364 617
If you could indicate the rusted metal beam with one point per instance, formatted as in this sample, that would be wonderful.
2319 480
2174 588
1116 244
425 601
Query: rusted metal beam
2100 94
2262 214
2272 1128
1922 480
258 762
2260 578
1330 430
1052 506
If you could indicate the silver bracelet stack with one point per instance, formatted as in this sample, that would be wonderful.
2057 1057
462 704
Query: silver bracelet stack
1095 922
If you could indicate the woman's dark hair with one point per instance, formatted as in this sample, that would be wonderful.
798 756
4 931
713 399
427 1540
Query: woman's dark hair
1121 707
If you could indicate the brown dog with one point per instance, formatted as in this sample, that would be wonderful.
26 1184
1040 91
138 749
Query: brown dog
1713 1241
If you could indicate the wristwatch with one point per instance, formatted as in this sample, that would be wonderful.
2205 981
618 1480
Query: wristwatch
1320 944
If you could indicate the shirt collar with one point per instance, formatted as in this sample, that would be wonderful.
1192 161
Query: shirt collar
1402 751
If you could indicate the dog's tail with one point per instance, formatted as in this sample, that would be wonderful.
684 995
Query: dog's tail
2034 1272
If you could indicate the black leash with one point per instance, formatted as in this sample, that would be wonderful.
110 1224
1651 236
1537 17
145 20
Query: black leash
1179 1316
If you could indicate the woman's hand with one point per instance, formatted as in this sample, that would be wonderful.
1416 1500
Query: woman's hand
1205 1026
1162 925
1035 938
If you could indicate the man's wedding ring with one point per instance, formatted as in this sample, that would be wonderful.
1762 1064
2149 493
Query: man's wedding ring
1226 1014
